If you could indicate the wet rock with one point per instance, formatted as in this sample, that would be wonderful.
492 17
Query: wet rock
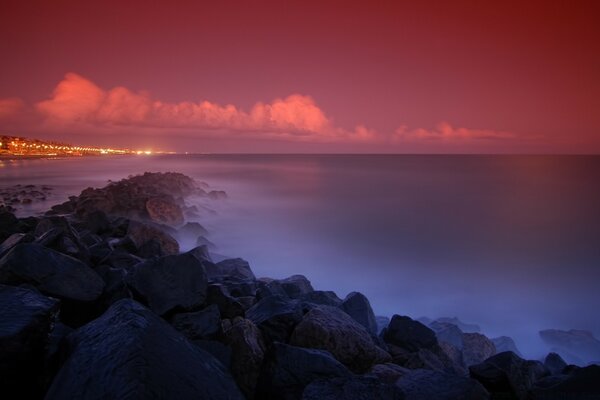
296 286
217 194
505 343
406 333
170 283
507 374
352 388
248 351
203 324
51 272
14 240
424 384
477 348
554 363
26 319
202 254
141 234
329 328
129 352
358 307
220 351
270 287
276 317
290 369
164 210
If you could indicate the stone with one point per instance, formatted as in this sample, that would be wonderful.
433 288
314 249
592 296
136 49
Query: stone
26 319
579 384
555 364
388 372
296 285
329 328
575 346
358 307
425 384
351 388
172 283
234 269
477 348
51 272
164 210
203 324
449 333
505 343
141 233
276 317
382 323
14 240
129 352
228 306
322 297
408 334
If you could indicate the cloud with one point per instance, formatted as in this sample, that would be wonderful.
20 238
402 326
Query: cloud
77 100
445 132
11 107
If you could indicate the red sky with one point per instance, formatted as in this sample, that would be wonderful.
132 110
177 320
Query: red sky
304 76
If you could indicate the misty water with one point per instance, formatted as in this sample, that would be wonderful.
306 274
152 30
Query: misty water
511 243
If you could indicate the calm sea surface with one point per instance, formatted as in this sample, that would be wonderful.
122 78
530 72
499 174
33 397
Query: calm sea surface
509 242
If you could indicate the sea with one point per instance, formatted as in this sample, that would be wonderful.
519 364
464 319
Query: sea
509 242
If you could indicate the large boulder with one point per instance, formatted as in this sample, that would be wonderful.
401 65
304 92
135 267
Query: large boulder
198 325
352 388
329 328
248 352
425 384
358 307
449 333
144 235
576 346
579 384
170 283
505 343
130 353
507 374
555 364
476 348
51 272
322 297
276 316
408 334
14 240
26 319
296 285
164 210
290 369
388 372
234 268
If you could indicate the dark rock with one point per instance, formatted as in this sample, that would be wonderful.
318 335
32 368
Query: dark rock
129 352
576 346
217 194
477 348
248 351
388 372
329 328
449 333
554 363
408 334
204 324
14 240
505 343
507 374
424 384
351 388
234 268
270 287
290 369
192 229
141 233
228 306
276 317
579 384
97 222
382 323
322 297
170 283
51 272
296 285
26 318
220 351
358 307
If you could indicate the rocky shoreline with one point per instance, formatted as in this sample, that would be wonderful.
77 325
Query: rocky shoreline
98 301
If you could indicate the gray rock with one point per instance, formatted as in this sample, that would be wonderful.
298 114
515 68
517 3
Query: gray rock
449 333
329 328
233 268
424 384
409 334
51 272
382 323
579 384
388 372
505 343
358 307
170 283
477 348
130 352
296 285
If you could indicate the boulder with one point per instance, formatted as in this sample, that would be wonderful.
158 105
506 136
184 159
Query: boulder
296 285
248 351
164 210
269 287
576 346
322 297
203 324
351 388
425 384
329 328
26 319
233 269
229 307
507 374
130 352
554 363
463 326
170 284
13 240
192 229
449 333
409 334
51 272
579 384
505 343
388 372
477 348
276 316
382 323
143 234
358 307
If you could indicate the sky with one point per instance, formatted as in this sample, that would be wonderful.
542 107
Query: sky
304 76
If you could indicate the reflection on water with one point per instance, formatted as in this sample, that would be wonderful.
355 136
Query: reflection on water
509 242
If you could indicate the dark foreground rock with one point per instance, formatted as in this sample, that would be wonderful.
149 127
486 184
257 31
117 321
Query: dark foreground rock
352 388
130 353
578 384
358 307
424 384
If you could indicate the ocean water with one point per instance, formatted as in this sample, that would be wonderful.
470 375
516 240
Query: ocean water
511 243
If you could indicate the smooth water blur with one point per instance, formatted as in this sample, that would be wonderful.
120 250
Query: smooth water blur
509 242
